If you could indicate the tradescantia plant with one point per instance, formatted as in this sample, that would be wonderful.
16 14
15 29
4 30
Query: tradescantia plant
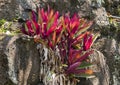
68 34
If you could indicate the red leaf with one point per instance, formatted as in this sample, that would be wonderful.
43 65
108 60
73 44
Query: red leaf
77 39
72 67
87 42
73 55
79 71
29 27
56 16
36 27
33 16
84 56
74 26
43 15
51 29
24 31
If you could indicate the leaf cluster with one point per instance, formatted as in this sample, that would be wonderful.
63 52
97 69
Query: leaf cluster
67 34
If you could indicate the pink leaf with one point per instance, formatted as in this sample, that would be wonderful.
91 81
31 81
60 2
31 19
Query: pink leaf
84 56
87 42
72 67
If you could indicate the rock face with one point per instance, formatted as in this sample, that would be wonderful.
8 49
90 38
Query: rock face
3 64
21 64
8 9
113 6
113 59
111 49
100 69
19 59
85 8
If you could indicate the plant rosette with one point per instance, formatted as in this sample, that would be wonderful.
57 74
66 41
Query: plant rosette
66 46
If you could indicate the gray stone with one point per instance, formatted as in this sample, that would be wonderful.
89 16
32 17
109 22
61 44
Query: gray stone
11 8
100 69
22 61
3 64
101 18
113 60
84 8
111 49
8 9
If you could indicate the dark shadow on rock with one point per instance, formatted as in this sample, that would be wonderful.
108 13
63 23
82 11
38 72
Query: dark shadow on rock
19 62
4 77
27 61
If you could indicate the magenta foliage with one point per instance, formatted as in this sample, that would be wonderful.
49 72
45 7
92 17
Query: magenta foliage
69 34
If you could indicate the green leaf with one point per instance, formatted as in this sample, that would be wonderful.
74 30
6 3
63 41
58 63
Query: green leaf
84 65
26 28
95 37
64 65
2 21
83 28
50 23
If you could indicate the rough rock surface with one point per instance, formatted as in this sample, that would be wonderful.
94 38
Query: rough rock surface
8 9
21 64
100 69
113 59
3 64
11 8
111 49
113 6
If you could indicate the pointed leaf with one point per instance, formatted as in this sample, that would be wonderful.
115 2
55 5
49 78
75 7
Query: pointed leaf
77 39
84 65
33 16
60 35
50 15
87 41
28 27
74 55
83 28
72 67
95 37
35 27
52 28
84 76
84 56
24 31
39 17
78 71
54 37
